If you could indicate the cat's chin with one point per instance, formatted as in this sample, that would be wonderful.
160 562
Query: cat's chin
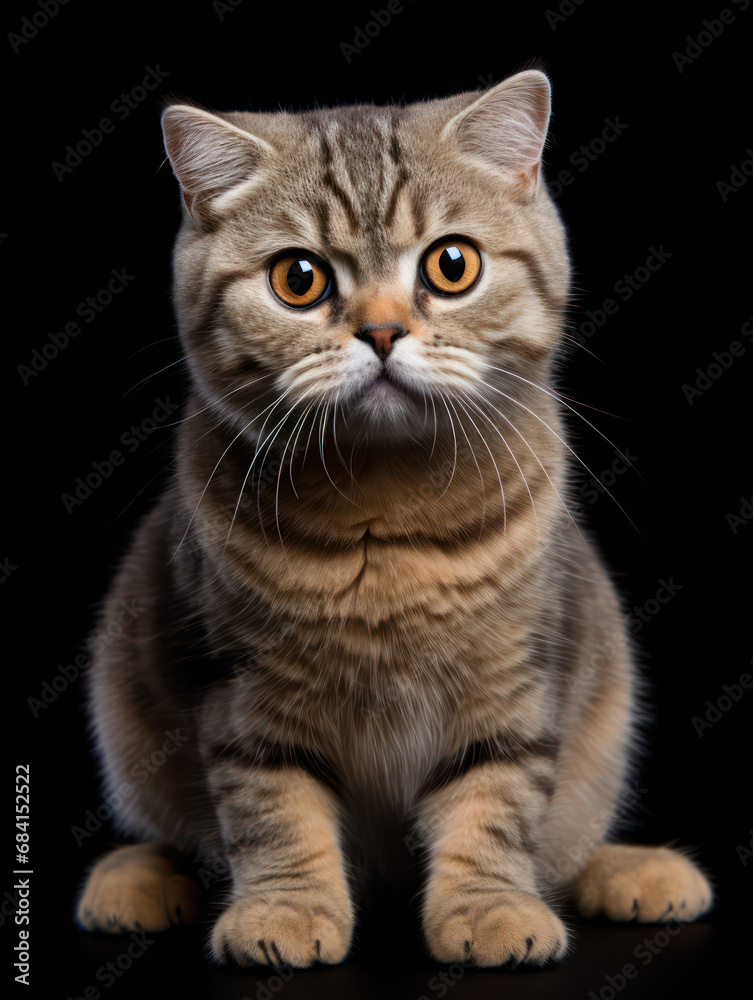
386 411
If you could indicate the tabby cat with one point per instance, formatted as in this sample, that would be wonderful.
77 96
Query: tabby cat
365 608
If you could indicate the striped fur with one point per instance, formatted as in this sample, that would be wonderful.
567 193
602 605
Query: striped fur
370 610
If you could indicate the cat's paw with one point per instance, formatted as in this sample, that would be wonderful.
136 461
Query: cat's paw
134 888
498 927
282 929
648 884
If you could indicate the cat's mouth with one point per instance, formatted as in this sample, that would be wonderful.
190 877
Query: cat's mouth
383 379
386 399
385 386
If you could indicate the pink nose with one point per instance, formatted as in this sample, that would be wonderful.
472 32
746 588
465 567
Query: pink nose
382 336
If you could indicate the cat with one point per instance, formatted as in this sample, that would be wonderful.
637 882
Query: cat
364 602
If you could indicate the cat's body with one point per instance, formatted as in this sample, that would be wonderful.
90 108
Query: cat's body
364 605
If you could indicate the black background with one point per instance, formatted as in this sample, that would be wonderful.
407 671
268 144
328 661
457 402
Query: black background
654 186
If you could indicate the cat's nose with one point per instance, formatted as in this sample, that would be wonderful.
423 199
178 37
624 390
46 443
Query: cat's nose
381 336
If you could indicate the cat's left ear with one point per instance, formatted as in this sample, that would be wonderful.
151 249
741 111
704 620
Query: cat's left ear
506 127
210 156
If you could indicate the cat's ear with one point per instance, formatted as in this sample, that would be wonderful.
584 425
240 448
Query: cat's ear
506 127
209 156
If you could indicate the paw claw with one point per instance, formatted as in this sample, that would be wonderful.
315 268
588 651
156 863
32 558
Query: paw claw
280 932
643 883
135 888
278 956
500 926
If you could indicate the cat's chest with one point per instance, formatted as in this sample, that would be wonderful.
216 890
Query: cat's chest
409 582
380 738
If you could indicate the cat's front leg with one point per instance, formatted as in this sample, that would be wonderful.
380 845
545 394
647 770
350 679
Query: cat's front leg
290 901
481 902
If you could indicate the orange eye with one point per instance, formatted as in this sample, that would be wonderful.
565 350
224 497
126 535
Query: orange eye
450 266
300 279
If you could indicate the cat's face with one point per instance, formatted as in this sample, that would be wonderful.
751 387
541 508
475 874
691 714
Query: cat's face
371 267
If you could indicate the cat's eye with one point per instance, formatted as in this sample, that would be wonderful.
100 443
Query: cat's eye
300 279
450 266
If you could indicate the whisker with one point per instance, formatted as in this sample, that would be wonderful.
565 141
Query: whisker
455 445
322 431
154 375
295 443
300 420
561 399
180 453
434 441
282 463
206 487
538 460
473 453
251 465
313 424
566 445
496 468
276 431
334 434
221 399
152 343
277 486
505 443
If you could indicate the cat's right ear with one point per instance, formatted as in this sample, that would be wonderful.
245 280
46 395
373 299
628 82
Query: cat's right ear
210 157
505 129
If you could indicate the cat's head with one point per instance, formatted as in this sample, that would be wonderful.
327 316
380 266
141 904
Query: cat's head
377 265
